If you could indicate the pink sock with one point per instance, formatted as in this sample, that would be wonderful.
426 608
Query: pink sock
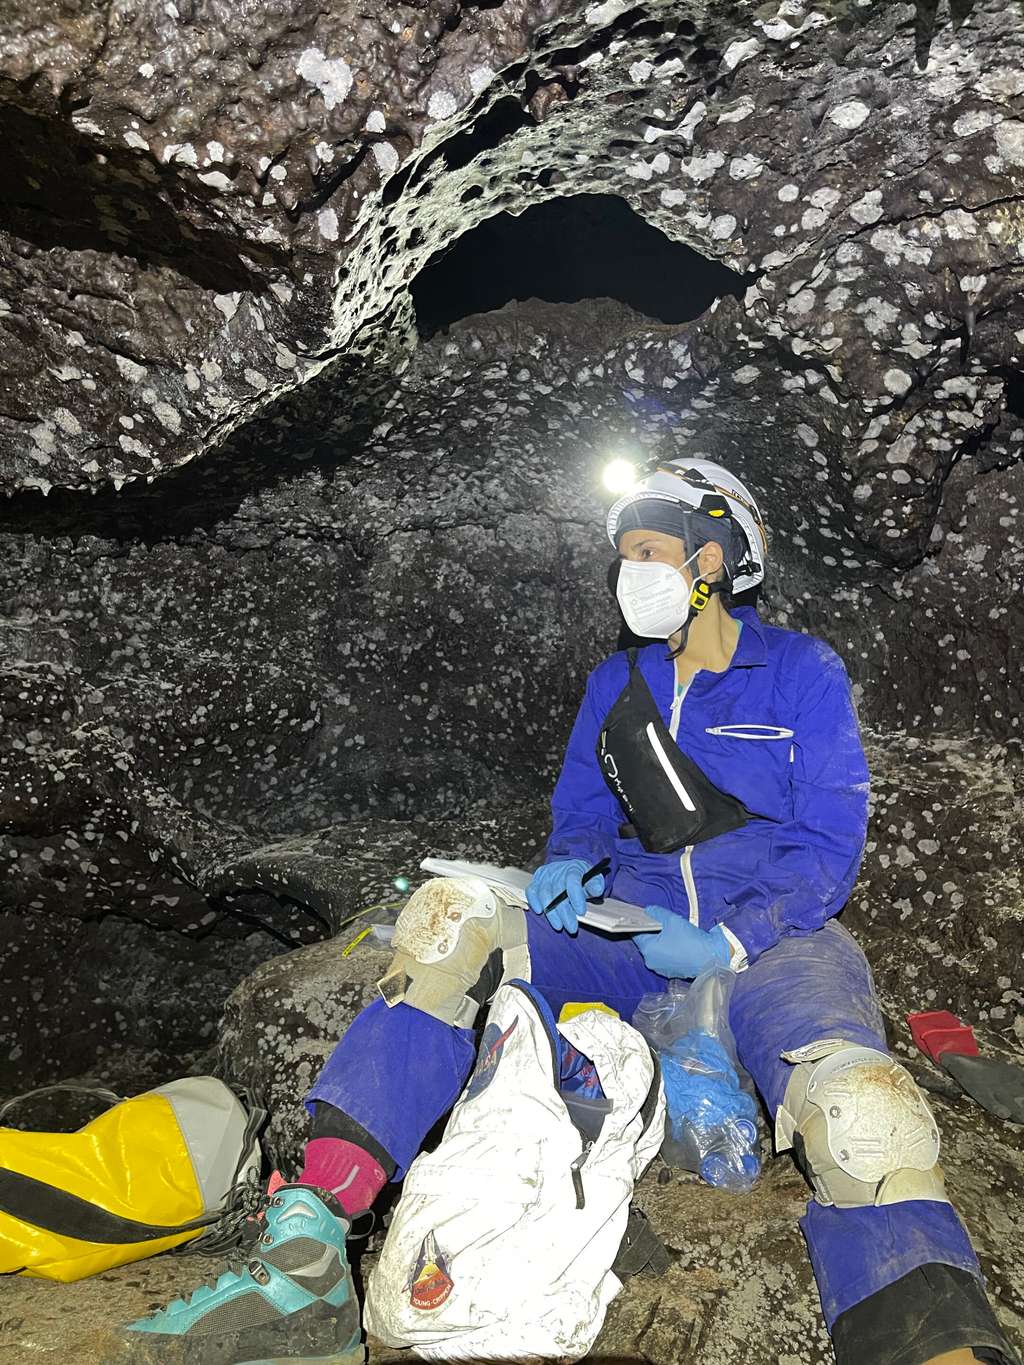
351 1174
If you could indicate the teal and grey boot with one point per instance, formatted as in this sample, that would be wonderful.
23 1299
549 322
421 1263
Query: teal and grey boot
293 1301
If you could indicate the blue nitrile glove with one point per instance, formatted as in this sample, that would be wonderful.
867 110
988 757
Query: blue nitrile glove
554 878
681 949
701 1084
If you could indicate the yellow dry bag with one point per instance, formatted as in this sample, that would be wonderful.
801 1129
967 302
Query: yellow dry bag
149 1174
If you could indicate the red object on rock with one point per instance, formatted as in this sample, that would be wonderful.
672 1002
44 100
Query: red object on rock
938 1031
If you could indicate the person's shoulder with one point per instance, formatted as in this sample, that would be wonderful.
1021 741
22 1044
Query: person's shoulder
613 672
799 652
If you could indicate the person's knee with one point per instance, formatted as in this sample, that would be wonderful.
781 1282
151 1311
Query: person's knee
455 942
860 1127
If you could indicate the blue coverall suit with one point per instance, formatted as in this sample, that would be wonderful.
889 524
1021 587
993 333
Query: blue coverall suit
777 730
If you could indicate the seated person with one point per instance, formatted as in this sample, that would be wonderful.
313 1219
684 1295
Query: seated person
750 876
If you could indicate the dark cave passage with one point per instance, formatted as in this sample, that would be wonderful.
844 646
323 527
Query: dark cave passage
567 249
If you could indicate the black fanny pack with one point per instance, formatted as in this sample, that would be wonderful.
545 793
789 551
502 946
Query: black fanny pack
669 800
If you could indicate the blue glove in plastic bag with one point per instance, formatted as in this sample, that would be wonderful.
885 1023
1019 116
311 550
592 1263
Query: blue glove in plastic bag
712 1112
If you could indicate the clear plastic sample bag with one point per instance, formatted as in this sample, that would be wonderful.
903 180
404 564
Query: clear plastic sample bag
712 1108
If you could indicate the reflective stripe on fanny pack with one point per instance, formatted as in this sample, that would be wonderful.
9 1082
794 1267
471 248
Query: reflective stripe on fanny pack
670 772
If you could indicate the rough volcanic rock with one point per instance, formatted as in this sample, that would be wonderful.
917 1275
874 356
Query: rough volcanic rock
283 1022
939 904
233 215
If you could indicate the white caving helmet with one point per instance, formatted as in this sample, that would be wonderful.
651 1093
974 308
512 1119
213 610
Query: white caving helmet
709 496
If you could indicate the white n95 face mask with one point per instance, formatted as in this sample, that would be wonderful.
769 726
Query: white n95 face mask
655 598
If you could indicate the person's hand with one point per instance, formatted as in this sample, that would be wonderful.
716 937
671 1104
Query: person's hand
551 880
681 949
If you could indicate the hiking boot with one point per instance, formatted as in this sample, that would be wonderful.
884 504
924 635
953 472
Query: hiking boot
293 1301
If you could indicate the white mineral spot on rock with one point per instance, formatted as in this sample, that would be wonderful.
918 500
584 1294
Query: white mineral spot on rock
146 70
43 436
479 79
973 284
895 247
788 193
974 121
192 381
283 358
130 369
181 151
897 381
227 304
604 14
746 374
723 226
281 290
900 476
386 157
217 179
324 152
701 168
255 379
134 140
278 172
639 170
67 421
167 416
802 302
689 123
836 298
442 104
746 167
215 150
868 209
211 370
331 75
807 434
661 163
85 124
672 198
849 114
739 52
813 218
826 197
1010 141
743 110
640 72
327 222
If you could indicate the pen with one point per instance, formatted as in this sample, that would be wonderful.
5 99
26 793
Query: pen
601 867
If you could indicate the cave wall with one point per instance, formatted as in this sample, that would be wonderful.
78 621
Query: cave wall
272 566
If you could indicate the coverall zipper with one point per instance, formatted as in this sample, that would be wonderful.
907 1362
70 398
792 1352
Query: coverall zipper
685 860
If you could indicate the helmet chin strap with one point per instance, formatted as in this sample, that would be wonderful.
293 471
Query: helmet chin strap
700 595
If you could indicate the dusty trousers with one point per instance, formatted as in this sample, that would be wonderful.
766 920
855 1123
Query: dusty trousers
397 1071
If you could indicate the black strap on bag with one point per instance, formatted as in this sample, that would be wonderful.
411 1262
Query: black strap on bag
640 1249
668 799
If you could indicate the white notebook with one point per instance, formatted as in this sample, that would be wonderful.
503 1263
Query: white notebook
614 917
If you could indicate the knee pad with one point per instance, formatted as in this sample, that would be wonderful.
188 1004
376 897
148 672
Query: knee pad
861 1128
455 942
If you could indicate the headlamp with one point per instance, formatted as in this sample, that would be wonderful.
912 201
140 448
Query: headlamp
619 476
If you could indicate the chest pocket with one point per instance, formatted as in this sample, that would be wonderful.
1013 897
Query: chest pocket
751 731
